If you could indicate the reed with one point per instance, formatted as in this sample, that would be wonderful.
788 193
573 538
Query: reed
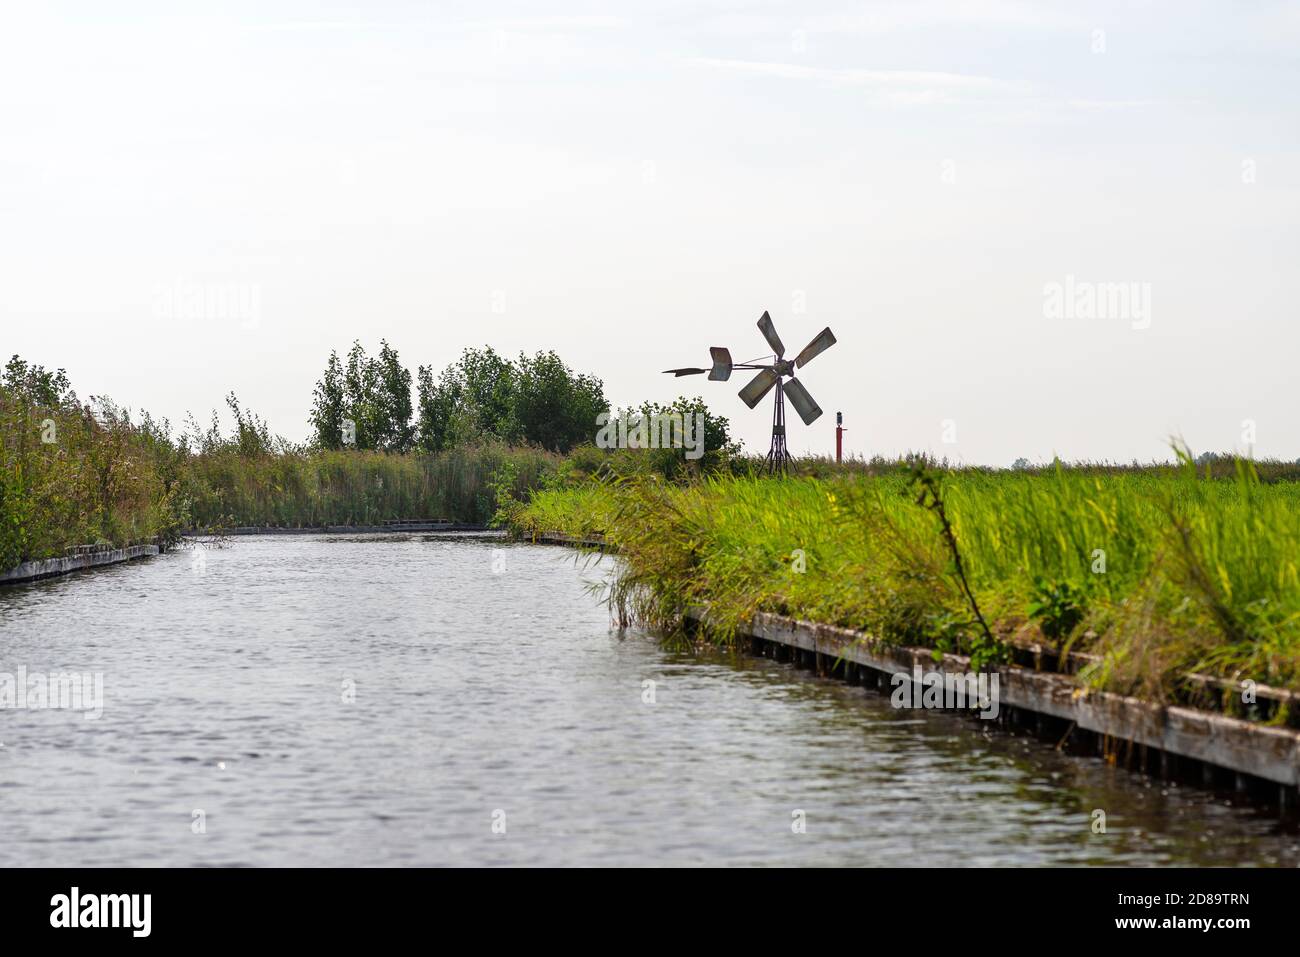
297 489
73 474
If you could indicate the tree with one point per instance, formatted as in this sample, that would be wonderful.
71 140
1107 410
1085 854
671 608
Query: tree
471 399
537 400
392 385
719 447
437 404
38 386
488 383
360 398
327 410
252 435
553 407
373 393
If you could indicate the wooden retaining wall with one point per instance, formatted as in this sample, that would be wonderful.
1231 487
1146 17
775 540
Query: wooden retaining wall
1169 740
49 567
1269 753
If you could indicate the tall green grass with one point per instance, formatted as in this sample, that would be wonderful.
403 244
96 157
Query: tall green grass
1160 573
75 473
72 475
296 489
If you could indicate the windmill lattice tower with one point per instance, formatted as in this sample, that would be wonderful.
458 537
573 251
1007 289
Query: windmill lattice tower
777 373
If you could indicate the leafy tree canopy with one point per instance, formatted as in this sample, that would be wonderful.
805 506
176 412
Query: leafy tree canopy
535 399
364 401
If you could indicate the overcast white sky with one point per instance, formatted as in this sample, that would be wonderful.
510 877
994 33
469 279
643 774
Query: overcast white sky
630 183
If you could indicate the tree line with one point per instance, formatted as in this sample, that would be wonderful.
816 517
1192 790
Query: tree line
364 401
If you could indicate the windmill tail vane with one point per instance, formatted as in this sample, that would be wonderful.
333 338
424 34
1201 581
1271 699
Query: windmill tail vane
777 374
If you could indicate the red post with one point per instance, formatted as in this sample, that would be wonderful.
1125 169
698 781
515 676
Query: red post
839 437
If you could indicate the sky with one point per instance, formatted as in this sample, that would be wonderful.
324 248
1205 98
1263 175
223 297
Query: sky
1036 229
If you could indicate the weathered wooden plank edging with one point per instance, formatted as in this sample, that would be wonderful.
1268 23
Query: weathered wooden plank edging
49 567
1265 752
1074 661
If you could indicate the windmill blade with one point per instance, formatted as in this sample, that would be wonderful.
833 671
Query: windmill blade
721 370
823 341
758 387
803 403
681 372
769 333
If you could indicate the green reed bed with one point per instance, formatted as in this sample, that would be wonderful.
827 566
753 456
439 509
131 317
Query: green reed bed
1158 574
354 487
70 475
75 474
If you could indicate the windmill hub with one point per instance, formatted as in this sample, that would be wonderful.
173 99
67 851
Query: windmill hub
769 376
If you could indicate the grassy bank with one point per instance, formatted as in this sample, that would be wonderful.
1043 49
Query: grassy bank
1159 573
75 473
116 483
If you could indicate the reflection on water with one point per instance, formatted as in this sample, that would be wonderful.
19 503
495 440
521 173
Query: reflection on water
373 701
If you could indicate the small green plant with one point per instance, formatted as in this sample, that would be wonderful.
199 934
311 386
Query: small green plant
501 488
945 631
1058 607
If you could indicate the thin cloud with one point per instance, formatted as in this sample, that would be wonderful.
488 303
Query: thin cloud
915 14
909 15
888 87
311 26
545 24
1107 106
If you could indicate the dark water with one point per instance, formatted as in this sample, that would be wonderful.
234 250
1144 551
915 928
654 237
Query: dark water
489 687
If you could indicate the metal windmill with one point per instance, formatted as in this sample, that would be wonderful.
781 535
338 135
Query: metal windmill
770 374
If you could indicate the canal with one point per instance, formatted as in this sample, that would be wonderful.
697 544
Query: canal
426 700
